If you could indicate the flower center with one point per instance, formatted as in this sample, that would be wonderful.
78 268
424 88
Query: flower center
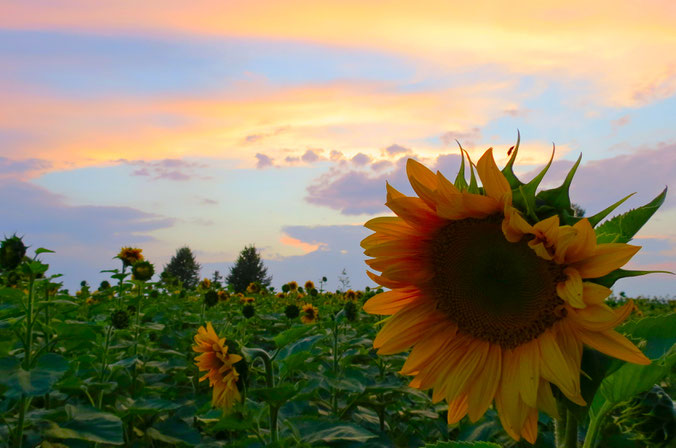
492 289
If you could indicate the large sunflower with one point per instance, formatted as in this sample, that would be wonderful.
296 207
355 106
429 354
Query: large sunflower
219 364
496 306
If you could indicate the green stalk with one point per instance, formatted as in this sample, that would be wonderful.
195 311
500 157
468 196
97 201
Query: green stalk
136 335
570 439
26 361
334 395
270 383
104 363
595 425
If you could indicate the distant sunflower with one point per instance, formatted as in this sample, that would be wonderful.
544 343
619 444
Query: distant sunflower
350 295
247 300
253 288
130 255
309 314
495 307
293 286
219 364
205 283
309 285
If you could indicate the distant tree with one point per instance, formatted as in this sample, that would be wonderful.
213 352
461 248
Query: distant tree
344 280
577 210
183 267
248 268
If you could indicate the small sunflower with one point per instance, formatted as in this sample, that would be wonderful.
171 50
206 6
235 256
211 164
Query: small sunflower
309 314
350 295
496 305
253 288
223 295
130 255
309 285
219 365
281 295
247 300
205 283
293 286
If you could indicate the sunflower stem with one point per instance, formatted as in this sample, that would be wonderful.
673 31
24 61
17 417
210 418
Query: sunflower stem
595 425
570 440
104 363
136 336
270 383
560 425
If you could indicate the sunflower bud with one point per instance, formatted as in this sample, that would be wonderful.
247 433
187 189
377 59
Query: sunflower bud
248 311
292 311
142 271
650 417
120 319
350 311
210 298
12 251
104 285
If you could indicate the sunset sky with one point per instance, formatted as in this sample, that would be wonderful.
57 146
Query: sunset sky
216 124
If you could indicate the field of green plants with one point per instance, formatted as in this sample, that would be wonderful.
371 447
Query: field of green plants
115 366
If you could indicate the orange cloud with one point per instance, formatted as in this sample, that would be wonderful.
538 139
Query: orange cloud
626 50
306 248
350 118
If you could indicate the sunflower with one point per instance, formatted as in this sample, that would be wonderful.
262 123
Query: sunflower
247 300
205 283
253 288
309 314
309 285
130 255
293 286
496 306
219 364
350 295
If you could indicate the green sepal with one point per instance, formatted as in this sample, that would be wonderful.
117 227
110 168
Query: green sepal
473 185
508 170
610 279
622 228
559 198
460 182
595 219
524 195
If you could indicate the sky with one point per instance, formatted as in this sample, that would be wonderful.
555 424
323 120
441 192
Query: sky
218 124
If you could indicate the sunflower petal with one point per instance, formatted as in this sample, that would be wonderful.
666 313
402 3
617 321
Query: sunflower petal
428 348
528 372
571 290
457 409
494 182
606 259
613 344
594 294
389 302
481 393
601 317
584 242
423 181
554 366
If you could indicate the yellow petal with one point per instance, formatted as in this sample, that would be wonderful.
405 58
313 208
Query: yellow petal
462 374
483 389
390 225
393 193
428 348
546 400
514 226
389 302
606 259
571 289
584 242
408 336
457 409
554 366
528 372
613 344
409 316
530 426
494 182
445 188
423 181
414 211
601 317
594 294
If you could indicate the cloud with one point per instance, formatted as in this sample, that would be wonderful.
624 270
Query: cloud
360 159
395 149
311 155
467 138
336 155
263 161
85 238
621 122
169 169
291 159
534 38
381 165
599 183
207 201
12 168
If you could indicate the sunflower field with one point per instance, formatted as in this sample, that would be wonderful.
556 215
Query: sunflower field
491 324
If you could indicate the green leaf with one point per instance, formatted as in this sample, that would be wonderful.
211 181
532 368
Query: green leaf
462 445
174 431
610 279
595 219
460 182
151 406
659 332
274 396
34 382
559 197
314 431
42 250
508 170
88 424
622 228
632 379
301 345
291 335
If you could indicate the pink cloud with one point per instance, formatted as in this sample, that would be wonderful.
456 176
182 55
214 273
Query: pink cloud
263 161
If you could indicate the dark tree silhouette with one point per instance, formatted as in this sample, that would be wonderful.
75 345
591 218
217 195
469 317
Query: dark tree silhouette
248 268
183 267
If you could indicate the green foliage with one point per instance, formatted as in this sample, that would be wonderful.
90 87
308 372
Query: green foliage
183 267
248 268
622 228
